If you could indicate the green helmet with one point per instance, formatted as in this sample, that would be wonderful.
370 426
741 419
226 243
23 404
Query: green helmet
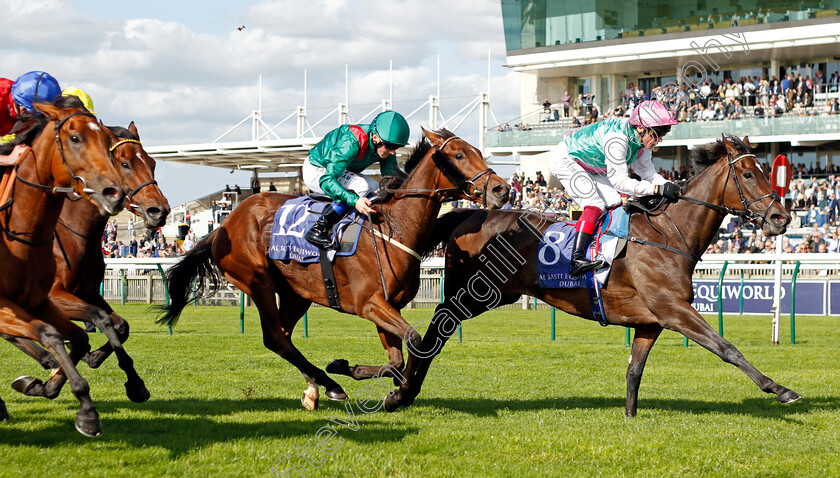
391 127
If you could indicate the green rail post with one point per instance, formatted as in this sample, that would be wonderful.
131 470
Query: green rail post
306 325
553 318
535 304
720 298
741 305
460 333
793 303
626 336
124 282
165 292
241 312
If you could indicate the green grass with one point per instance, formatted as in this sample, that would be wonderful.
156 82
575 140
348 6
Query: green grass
505 402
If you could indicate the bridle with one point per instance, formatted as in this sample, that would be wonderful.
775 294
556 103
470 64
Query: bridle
50 189
746 213
130 195
462 185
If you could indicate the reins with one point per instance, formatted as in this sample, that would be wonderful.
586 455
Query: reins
745 213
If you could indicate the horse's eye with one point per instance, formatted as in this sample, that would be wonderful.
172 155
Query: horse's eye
748 175
125 165
74 138
459 156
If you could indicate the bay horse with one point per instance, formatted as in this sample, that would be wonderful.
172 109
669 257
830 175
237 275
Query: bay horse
81 268
491 261
438 170
70 157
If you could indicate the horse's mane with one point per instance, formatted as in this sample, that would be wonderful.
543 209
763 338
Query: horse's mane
30 126
121 132
705 155
419 152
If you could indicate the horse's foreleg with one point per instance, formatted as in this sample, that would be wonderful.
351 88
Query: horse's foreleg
643 340
396 363
688 322
31 348
51 331
77 309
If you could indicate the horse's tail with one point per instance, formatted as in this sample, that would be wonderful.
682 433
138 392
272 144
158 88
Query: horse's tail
193 277
444 227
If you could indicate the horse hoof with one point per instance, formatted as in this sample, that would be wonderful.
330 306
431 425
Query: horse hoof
27 385
336 394
94 359
391 404
339 366
4 414
308 402
137 392
789 397
88 424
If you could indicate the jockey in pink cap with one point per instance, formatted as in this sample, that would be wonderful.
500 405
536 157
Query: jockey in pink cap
592 165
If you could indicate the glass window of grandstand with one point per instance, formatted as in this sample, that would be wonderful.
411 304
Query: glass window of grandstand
542 23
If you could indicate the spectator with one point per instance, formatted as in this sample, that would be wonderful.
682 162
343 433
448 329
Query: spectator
255 185
271 187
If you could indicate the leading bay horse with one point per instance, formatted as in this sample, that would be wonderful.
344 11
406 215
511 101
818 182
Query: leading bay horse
70 155
439 169
81 267
491 261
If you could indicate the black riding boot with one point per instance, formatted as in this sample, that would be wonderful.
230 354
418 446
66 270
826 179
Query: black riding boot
321 232
580 265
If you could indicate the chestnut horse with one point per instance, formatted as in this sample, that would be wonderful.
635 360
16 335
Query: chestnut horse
438 169
70 155
649 288
81 268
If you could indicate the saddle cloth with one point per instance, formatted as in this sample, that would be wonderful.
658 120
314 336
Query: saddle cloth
556 247
295 218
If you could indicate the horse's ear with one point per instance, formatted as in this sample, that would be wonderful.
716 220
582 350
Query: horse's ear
433 137
50 111
730 148
133 130
747 142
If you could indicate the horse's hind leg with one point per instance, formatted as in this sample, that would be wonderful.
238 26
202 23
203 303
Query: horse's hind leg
689 323
277 325
396 363
643 340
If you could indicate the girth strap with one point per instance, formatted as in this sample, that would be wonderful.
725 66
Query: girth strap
330 285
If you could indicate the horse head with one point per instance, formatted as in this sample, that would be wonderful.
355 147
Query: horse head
465 171
80 157
747 191
144 198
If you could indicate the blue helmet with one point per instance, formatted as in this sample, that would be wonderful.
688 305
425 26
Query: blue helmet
35 86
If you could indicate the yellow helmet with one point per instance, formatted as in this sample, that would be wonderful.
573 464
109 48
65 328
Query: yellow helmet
82 96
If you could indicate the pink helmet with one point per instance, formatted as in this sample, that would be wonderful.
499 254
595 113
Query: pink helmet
650 114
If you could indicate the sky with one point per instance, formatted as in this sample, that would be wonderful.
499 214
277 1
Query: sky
185 73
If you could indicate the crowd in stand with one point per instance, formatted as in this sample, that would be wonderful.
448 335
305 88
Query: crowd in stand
153 244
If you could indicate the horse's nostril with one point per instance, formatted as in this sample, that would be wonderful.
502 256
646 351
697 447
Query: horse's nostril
154 212
112 193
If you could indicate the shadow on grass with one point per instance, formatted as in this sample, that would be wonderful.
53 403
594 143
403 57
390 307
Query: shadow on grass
181 426
767 407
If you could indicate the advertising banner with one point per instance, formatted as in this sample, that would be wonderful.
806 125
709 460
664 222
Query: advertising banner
812 296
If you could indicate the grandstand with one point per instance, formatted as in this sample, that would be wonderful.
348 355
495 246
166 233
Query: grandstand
705 54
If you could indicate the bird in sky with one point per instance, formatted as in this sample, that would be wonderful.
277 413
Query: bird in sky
241 28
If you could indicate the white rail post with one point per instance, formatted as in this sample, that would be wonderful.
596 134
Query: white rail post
777 293
301 121
482 120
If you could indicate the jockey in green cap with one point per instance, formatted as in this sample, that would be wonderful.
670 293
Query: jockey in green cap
335 164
